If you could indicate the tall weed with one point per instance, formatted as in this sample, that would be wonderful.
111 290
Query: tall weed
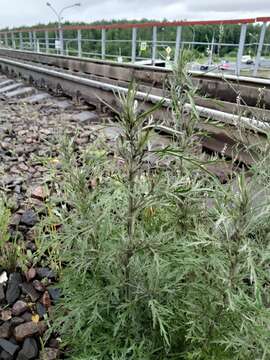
160 264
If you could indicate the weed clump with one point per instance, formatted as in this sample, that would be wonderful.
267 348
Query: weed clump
159 264
11 252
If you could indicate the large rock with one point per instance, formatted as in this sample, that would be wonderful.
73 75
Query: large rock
3 278
5 330
41 310
37 98
54 293
29 218
19 308
29 329
15 321
86 117
45 273
13 288
15 220
38 286
8 346
29 350
27 316
46 300
5 356
5 315
39 193
31 274
28 289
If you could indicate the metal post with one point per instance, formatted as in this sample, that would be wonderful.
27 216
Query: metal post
35 40
6 39
67 51
103 44
260 47
13 40
241 48
134 45
210 58
61 39
154 45
47 45
31 40
79 36
21 40
2 40
178 43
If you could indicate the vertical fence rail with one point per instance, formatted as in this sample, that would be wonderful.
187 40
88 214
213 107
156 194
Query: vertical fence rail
13 40
47 44
79 40
35 41
260 47
241 49
103 44
6 39
134 45
177 43
30 40
154 45
61 40
21 40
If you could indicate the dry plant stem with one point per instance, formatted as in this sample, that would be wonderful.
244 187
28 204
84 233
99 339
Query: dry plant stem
131 186
136 129
131 216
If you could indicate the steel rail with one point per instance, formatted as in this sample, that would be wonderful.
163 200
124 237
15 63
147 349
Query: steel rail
205 74
249 123
235 78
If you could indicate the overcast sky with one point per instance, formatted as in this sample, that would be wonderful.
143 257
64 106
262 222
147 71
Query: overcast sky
30 12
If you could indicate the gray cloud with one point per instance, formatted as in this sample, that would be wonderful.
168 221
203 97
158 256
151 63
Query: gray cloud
238 6
30 12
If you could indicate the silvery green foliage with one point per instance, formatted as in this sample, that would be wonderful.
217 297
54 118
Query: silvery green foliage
160 265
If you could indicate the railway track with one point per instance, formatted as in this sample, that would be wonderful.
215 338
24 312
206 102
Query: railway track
94 81
213 85
217 86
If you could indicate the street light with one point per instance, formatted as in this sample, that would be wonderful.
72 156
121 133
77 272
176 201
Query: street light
59 20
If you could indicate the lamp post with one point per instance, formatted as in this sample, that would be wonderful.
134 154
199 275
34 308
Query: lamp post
59 20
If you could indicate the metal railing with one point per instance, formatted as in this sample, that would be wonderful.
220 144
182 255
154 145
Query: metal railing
156 49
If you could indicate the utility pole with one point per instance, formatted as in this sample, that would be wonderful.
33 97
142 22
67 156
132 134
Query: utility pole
59 20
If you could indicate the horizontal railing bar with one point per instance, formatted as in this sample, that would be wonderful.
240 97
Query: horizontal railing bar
145 25
121 41
91 40
117 55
